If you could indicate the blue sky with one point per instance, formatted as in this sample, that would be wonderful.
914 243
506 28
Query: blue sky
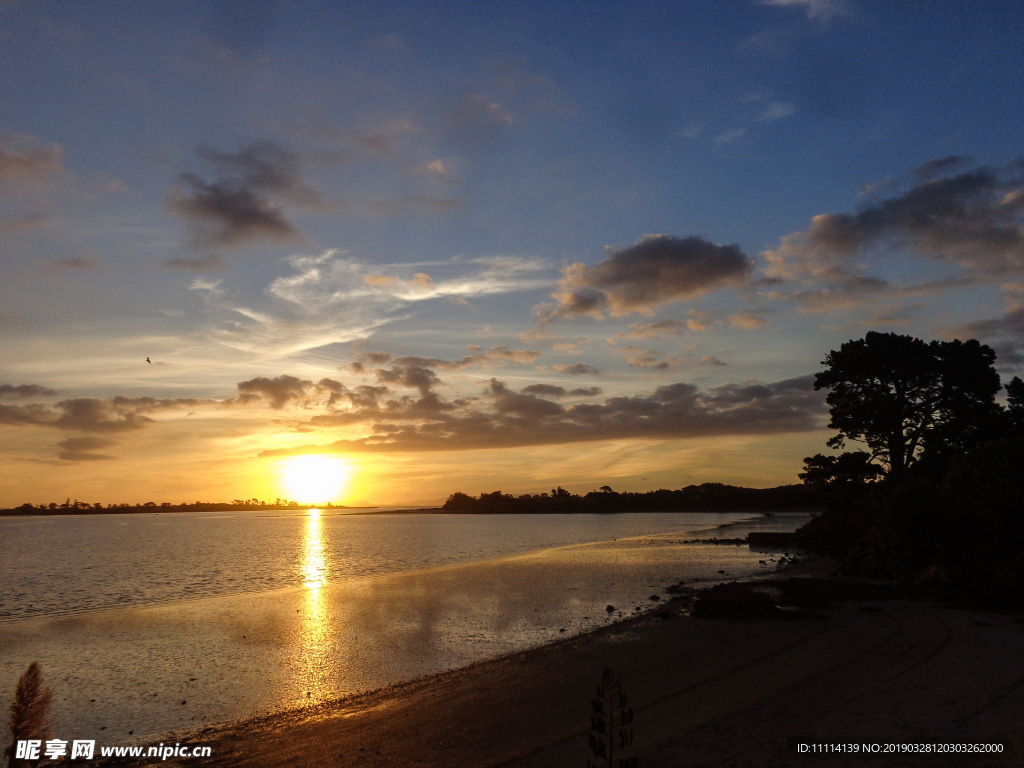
613 199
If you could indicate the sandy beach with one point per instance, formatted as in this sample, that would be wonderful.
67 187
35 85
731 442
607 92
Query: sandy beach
892 672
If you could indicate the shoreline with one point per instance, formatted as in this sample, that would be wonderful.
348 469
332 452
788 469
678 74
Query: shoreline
888 670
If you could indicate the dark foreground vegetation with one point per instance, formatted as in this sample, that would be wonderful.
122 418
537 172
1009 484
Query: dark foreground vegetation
709 497
77 507
935 500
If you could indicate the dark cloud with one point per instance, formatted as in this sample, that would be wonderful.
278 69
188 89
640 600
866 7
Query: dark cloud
20 391
497 355
87 414
510 419
224 214
283 390
940 166
81 449
507 402
408 374
974 218
243 203
578 369
548 390
1004 334
709 360
656 270
585 392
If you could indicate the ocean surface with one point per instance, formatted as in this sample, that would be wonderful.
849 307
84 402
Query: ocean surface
148 623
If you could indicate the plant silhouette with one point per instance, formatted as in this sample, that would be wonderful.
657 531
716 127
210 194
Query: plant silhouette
30 712
611 724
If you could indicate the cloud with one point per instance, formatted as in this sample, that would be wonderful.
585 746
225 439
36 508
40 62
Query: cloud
1005 334
281 391
656 270
81 449
509 419
21 391
212 261
817 9
974 219
476 119
497 355
731 136
775 110
710 361
747 321
224 214
330 278
87 414
243 203
940 166
26 159
74 263
666 327
327 298
577 369
698 321
26 223
553 390
637 357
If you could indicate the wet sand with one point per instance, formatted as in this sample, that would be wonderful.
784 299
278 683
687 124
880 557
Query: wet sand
704 693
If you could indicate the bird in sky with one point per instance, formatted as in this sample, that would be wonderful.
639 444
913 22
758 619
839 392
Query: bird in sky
149 361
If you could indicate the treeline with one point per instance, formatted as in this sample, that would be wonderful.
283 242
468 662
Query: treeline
77 507
708 497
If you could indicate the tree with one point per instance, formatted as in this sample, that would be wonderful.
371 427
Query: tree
1015 406
844 468
902 397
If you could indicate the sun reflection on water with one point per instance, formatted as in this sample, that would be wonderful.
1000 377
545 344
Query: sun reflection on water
314 561
315 631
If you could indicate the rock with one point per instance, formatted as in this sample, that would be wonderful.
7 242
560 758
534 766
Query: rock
610 608
735 601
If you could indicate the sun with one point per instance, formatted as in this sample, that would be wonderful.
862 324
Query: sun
315 479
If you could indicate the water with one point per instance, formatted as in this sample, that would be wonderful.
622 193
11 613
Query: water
238 614
55 566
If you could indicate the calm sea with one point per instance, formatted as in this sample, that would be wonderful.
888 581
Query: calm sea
54 566
156 622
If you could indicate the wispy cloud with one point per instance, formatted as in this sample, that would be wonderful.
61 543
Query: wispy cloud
333 298
817 9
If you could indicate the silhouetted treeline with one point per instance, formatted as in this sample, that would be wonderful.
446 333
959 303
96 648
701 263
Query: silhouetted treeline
709 497
77 507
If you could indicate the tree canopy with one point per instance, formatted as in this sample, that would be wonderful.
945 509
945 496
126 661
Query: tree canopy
903 397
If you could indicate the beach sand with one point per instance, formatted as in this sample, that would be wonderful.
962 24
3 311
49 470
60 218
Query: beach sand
704 692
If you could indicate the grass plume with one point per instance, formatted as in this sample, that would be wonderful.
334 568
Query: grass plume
30 711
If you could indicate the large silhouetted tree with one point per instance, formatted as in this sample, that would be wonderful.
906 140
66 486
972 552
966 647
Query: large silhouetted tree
903 397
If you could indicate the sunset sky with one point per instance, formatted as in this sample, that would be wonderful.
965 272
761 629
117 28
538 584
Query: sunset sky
482 245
